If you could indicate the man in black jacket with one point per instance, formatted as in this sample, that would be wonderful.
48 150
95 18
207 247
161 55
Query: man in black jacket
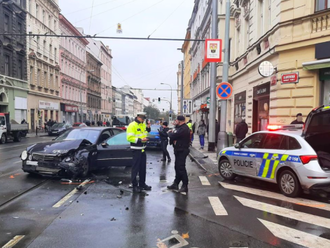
241 130
180 138
164 141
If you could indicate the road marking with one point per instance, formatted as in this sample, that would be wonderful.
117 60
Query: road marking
285 212
14 241
295 236
68 196
277 196
217 206
204 180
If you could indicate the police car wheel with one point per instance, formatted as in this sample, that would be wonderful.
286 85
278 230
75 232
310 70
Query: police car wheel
289 184
226 170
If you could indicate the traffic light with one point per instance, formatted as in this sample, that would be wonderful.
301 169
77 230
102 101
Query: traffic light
158 99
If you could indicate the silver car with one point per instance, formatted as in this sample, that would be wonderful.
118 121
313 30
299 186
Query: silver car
291 158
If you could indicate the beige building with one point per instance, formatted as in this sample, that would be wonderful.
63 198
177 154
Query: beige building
43 62
187 64
293 36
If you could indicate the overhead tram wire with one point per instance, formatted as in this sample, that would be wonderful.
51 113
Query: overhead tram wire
90 20
106 11
133 15
168 17
102 37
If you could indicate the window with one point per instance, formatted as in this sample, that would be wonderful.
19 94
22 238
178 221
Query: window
118 140
274 141
44 48
322 5
31 75
51 81
39 77
50 50
20 69
37 11
44 17
55 27
104 136
254 141
55 54
49 21
293 143
7 21
7 65
45 80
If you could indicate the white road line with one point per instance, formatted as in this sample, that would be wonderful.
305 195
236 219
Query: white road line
295 236
68 196
204 180
288 213
217 206
268 194
14 241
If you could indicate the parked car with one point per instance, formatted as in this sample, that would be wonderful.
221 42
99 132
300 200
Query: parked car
154 138
78 151
293 158
76 124
58 128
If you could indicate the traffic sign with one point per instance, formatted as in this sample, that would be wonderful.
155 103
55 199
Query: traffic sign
224 90
184 106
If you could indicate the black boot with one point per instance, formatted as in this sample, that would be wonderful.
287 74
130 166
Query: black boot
174 186
145 187
184 188
163 159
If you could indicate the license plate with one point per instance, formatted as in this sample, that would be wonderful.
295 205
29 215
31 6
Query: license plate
35 163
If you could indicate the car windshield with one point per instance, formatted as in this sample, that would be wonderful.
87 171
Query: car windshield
60 125
2 121
120 120
55 125
154 128
119 139
75 134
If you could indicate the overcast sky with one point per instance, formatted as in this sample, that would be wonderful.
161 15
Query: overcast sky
140 64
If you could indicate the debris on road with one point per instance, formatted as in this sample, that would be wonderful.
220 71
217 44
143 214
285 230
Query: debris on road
113 219
119 196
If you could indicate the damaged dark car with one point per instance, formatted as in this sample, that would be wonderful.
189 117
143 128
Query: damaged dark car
75 153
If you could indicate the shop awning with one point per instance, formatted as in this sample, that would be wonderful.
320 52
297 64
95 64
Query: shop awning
318 64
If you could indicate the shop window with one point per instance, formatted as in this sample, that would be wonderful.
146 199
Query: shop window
322 5
240 106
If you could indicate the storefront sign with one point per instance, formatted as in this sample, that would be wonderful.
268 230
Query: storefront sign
290 78
71 108
48 105
213 50
240 97
261 90
325 74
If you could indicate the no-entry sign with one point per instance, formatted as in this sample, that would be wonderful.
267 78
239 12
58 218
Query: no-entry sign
290 78
224 90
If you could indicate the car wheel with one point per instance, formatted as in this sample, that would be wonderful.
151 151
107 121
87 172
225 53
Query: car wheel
226 170
3 139
85 168
289 184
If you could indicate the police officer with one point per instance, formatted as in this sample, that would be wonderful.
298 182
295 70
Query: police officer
137 133
164 141
180 138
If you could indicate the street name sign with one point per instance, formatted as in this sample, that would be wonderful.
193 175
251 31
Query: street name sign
290 78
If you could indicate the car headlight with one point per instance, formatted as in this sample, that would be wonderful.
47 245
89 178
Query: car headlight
24 155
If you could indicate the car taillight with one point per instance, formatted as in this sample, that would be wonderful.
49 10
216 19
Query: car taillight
307 158
273 127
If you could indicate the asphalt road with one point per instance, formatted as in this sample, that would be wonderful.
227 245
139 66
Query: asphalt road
45 212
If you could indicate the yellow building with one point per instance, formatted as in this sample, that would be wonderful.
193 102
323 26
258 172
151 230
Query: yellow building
294 36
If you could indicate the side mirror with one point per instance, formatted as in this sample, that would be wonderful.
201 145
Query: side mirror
104 145
238 145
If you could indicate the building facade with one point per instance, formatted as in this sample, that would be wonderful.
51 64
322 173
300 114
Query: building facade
200 24
13 62
93 87
179 83
73 87
117 101
187 65
43 62
138 101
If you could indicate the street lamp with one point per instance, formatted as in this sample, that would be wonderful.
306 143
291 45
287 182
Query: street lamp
81 105
171 95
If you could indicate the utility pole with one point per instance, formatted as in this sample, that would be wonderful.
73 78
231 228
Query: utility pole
214 35
181 92
223 139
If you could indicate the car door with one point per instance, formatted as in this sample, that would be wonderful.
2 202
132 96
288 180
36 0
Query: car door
244 158
274 153
115 152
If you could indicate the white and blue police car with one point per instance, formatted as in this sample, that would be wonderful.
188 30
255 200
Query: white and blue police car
295 159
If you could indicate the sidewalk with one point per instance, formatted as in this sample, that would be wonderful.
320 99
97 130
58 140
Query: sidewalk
207 160
33 135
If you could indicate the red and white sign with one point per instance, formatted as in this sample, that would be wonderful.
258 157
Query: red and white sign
290 78
273 80
71 108
213 50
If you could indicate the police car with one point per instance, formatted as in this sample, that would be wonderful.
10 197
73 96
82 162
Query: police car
296 159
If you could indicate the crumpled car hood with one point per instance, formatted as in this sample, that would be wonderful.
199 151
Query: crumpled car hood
53 146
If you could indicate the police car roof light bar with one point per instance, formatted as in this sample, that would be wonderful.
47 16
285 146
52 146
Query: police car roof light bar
273 127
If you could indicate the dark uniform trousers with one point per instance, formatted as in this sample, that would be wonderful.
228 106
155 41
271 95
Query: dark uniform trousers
164 148
139 167
180 166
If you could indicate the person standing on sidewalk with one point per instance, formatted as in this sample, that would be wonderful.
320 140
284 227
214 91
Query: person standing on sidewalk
180 138
164 141
189 124
241 130
201 133
137 133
